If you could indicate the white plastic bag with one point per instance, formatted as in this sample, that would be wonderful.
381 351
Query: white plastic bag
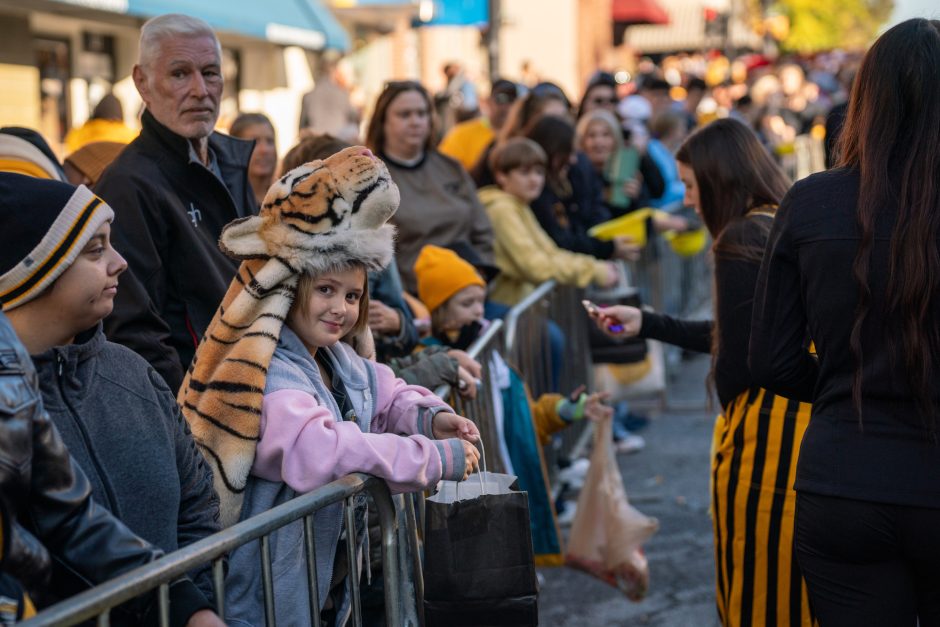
607 535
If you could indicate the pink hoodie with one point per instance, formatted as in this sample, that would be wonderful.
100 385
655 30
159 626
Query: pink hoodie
304 444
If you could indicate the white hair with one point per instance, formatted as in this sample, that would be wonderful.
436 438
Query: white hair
156 29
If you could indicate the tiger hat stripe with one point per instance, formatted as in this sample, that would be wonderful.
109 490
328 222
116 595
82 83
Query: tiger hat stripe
318 217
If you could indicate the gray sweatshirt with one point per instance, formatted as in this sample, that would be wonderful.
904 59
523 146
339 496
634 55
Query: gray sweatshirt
122 425
439 206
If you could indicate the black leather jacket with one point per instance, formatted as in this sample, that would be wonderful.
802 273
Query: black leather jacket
53 517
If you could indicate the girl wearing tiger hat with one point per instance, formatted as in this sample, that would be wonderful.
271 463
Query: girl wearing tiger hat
282 403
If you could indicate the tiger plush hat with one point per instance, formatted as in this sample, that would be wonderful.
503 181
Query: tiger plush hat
318 217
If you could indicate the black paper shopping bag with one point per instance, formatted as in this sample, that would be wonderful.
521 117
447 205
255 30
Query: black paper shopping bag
479 565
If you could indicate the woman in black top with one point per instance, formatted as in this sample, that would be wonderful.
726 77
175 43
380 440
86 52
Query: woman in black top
734 185
855 257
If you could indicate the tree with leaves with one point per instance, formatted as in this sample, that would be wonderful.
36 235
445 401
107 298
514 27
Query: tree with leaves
823 25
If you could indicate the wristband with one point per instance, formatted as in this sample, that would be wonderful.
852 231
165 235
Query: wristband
571 409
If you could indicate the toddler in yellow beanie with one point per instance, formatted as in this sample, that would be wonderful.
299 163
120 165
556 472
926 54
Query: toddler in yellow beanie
453 292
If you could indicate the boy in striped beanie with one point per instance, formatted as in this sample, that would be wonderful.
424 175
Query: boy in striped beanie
46 226
119 420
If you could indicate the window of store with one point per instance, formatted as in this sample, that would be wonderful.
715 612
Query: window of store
53 58
231 74
96 65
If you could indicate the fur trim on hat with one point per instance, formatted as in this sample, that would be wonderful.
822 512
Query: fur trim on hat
310 254
324 215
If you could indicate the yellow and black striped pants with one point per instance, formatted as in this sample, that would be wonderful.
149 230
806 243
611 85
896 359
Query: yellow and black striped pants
756 443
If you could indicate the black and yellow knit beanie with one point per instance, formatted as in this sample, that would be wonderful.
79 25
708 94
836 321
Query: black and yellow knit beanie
44 225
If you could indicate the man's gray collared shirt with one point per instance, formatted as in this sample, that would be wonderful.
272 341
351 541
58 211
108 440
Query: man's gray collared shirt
213 162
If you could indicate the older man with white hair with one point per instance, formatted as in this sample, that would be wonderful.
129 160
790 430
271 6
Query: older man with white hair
173 189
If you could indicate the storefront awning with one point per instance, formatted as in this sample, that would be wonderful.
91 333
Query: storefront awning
686 30
638 12
305 23
459 13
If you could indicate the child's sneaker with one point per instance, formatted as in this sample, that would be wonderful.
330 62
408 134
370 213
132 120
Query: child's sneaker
574 474
566 516
630 443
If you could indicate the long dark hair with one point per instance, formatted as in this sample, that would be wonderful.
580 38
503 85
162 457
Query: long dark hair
556 137
734 174
375 134
529 108
892 137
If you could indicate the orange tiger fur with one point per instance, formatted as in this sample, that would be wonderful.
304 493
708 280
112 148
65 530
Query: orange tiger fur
322 215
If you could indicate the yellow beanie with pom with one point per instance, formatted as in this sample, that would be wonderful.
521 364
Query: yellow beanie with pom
441 273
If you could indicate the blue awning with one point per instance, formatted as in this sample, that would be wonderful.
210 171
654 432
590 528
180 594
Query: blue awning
345 4
459 13
305 23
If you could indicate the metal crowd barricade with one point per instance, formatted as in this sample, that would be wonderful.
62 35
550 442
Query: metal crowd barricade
677 286
808 156
568 313
481 409
528 348
97 602
527 342
523 341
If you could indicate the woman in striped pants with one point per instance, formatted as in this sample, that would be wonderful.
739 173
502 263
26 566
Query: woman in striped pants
735 186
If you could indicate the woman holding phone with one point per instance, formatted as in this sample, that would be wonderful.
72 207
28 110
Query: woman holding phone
757 435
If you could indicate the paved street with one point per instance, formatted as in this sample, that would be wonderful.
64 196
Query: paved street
668 480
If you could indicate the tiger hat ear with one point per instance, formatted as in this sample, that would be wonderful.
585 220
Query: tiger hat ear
241 239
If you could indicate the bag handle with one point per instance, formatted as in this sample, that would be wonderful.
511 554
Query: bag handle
479 474
483 463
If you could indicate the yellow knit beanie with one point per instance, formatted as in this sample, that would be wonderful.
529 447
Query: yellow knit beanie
441 273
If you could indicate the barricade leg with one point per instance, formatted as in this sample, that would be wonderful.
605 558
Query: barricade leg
349 509
391 569
267 581
311 562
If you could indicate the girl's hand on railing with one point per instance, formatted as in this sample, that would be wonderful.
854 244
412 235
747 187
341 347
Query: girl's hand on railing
472 457
467 362
448 425
466 383
629 319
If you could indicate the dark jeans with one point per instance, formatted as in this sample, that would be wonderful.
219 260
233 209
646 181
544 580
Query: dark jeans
869 563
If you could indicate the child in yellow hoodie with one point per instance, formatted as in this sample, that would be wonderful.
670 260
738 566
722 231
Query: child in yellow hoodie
525 254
